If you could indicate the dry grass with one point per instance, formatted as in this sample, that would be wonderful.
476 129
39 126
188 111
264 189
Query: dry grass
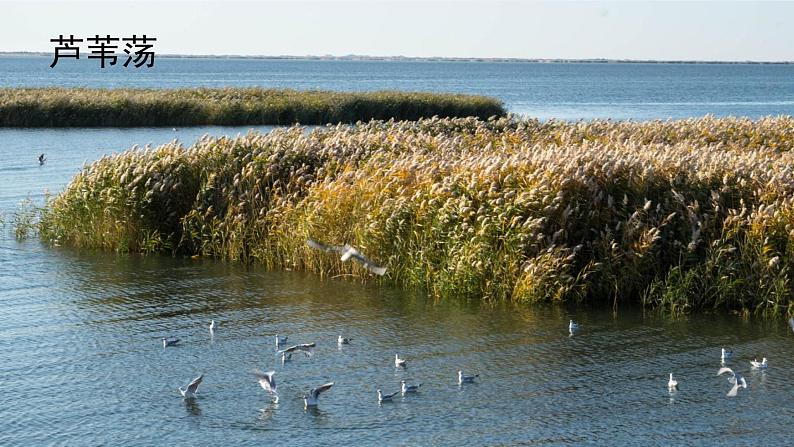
679 215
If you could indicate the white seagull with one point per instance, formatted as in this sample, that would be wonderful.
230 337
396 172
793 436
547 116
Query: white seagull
791 323
190 391
672 384
736 379
347 253
572 327
305 348
170 341
466 379
398 362
405 388
280 341
726 354
759 365
386 397
310 400
212 326
268 382
344 341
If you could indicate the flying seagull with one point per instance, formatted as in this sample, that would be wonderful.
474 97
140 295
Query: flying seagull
791 323
310 400
42 159
347 253
281 341
572 327
305 348
466 379
344 341
268 382
726 354
760 365
672 384
212 326
405 388
386 397
351 252
192 388
398 362
737 380
170 341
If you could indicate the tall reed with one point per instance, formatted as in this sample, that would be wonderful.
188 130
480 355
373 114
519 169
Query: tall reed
61 107
678 215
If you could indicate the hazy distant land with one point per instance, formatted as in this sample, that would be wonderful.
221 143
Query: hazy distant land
354 57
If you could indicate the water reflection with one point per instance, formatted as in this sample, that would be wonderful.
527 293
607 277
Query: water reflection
318 414
100 317
192 407
268 412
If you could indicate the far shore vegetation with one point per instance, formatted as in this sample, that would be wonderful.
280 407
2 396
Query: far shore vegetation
682 216
77 107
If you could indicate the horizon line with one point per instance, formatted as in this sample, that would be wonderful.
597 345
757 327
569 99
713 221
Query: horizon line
362 57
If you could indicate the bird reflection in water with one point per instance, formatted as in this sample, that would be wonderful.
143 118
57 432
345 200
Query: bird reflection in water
315 412
268 412
192 407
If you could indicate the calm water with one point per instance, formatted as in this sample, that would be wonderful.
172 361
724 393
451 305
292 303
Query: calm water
564 91
81 362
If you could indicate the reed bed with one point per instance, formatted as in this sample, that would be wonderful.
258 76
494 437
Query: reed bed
59 107
676 215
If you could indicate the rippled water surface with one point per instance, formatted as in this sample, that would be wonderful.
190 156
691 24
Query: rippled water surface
543 90
81 361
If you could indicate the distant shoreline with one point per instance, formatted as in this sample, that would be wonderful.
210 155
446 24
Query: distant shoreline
441 59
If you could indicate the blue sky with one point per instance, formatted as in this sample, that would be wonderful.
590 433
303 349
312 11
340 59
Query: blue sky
616 30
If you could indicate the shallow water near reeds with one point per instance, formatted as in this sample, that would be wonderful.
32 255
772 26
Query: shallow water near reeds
81 362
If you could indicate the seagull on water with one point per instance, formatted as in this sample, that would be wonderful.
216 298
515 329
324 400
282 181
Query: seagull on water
726 354
190 391
347 253
344 341
672 384
170 341
42 159
736 379
310 400
386 397
572 327
398 362
759 365
280 341
405 388
268 382
305 348
212 326
466 379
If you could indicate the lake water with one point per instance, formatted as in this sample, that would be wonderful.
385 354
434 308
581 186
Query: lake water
542 90
81 361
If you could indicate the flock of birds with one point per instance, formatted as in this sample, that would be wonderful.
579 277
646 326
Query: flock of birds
736 379
267 379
